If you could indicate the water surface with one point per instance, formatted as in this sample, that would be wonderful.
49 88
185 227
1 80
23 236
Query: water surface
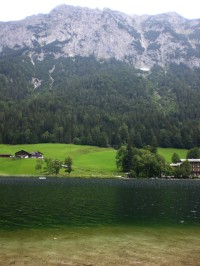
78 221
54 202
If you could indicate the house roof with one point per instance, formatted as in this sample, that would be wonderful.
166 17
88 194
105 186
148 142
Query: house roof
183 160
36 153
191 160
22 152
30 154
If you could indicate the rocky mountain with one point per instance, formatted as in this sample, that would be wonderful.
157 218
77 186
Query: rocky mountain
57 84
69 31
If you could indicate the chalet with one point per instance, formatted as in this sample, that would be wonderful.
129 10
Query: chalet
25 154
22 154
195 164
36 154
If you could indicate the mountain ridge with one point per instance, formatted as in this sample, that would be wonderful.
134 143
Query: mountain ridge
142 41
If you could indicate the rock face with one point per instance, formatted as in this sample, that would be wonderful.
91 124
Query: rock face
140 40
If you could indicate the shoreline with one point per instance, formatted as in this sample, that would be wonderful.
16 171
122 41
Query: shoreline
94 177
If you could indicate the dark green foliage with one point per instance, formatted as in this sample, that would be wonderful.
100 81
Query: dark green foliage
140 162
39 164
175 158
103 103
184 171
52 166
193 153
121 158
68 162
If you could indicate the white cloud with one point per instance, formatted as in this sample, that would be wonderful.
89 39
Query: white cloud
18 9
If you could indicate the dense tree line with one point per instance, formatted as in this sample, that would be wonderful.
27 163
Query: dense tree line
142 163
147 163
103 103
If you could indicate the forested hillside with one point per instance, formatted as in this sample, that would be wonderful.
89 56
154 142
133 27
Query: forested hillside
105 103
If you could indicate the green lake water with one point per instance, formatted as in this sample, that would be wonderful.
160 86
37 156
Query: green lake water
76 221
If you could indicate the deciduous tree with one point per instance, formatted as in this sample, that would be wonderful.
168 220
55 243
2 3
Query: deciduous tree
68 163
52 166
193 153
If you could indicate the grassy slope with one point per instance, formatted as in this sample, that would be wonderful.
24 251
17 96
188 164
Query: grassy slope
87 160
168 152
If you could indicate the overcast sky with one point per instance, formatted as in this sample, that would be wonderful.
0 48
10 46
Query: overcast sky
19 9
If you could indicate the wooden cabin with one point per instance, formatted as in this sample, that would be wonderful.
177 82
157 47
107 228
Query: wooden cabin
24 154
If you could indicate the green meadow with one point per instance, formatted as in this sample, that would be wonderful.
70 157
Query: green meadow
168 152
88 161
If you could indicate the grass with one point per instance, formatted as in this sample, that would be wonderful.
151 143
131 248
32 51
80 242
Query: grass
88 161
168 152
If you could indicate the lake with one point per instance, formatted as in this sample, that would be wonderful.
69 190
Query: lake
76 221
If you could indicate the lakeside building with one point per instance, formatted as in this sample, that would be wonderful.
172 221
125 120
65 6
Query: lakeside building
195 164
24 154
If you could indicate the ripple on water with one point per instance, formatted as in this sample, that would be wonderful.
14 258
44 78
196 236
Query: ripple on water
33 203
